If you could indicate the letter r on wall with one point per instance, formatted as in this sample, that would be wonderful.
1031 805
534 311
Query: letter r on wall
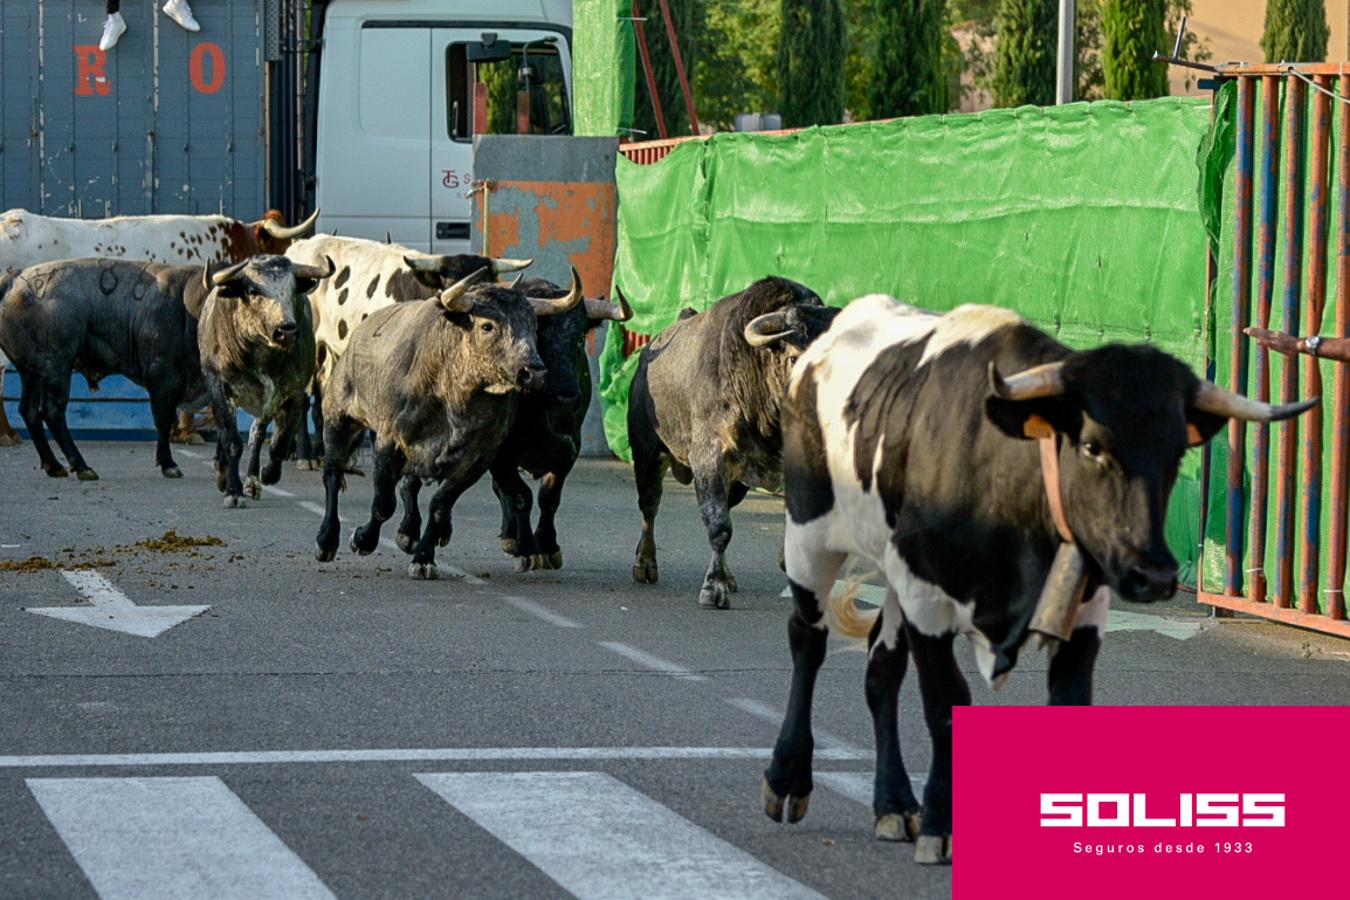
90 76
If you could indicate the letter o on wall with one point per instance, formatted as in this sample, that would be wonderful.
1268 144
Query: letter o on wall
1095 802
196 66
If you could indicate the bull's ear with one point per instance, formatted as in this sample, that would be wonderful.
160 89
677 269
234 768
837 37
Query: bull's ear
1027 419
1201 426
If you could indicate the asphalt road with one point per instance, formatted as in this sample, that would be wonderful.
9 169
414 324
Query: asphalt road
343 730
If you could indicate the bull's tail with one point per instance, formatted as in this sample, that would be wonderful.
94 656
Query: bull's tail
844 615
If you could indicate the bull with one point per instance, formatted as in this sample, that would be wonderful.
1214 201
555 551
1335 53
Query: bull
256 343
906 443
27 239
704 404
436 381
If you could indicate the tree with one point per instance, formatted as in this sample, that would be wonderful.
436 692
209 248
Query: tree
1132 31
689 19
1296 31
811 52
1024 59
908 75
738 60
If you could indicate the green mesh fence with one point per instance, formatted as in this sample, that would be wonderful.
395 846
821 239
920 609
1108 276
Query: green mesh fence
1084 218
603 52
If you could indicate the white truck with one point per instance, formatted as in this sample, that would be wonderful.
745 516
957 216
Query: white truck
405 85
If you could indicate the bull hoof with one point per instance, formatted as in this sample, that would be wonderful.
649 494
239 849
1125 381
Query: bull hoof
172 472
551 560
308 465
10 439
898 826
191 438
731 584
324 555
646 571
56 470
423 571
772 803
525 563
271 473
509 546
776 806
253 488
933 849
406 542
714 596
87 475
360 545
234 501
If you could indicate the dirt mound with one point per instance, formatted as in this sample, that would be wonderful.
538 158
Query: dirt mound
173 542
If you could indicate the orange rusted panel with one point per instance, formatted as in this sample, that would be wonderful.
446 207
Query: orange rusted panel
573 212
503 233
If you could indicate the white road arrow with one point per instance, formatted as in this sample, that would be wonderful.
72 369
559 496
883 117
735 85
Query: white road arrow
111 609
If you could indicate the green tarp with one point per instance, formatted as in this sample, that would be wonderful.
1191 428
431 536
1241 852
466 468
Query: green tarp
1083 217
603 53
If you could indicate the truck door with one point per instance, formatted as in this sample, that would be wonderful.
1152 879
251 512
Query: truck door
504 81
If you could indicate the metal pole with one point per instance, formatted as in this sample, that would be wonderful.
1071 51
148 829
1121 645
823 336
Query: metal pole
1064 69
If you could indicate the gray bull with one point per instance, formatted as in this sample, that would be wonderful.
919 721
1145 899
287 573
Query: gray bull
101 317
436 381
256 341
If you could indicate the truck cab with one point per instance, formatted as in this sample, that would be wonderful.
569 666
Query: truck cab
404 86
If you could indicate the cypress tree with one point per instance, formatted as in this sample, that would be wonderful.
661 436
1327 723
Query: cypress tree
690 23
908 77
1296 31
1024 60
1132 30
811 55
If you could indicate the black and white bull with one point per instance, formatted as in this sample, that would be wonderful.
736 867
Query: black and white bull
257 350
102 317
704 404
906 444
436 381
27 239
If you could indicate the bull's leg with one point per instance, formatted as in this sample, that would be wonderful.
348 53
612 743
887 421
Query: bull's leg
229 447
734 498
898 813
438 530
410 527
185 431
341 439
787 781
649 470
712 490
30 407
516 494
290 422
507 532
8 436
55 396
257 433
304 446
317 415
164 409
942 687
388 467
550 497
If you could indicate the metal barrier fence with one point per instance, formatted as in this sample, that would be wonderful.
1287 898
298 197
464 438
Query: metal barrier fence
1289 153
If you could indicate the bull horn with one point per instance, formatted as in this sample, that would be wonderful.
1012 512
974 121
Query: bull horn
615 312
510 265
515 282
564 304
1213 399
455 298
305 271
282 233
767 329
1030 384
228 274
388 238
426 264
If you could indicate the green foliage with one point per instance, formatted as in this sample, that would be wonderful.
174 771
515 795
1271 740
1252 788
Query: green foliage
738 60
690 28
1296 31
862 43
811 54
1132 31
1024 59
908 75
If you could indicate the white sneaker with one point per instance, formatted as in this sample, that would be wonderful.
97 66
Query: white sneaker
180 12
113 29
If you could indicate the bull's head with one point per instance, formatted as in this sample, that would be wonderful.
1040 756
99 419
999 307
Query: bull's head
500 349
267 295
441 272
1125 415
790 329
270 234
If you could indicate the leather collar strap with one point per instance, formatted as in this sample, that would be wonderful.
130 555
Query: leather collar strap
1048 439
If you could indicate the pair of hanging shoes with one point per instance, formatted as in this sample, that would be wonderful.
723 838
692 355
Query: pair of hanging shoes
116 26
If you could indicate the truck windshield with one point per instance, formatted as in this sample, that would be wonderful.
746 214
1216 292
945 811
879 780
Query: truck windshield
523 94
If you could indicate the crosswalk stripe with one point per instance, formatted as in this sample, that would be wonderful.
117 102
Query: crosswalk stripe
858 785
147 838
611 840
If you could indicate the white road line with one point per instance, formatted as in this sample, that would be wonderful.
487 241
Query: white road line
277 491
144 838
428 754
655 663
191 453
616 843
539 611
453 571
769 714
858 785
